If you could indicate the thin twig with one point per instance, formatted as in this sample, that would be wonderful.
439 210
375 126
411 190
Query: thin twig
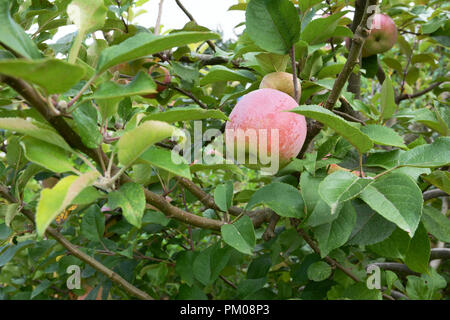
417 94
186 93
189 15
359 37
80 254
158 19
435 193
80 93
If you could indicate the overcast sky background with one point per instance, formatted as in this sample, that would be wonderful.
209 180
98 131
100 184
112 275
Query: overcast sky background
212 14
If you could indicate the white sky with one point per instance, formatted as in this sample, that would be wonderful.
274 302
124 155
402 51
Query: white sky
212 14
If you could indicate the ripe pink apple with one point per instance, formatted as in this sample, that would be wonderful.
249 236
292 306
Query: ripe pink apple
159 74
263 109
382 37
281 81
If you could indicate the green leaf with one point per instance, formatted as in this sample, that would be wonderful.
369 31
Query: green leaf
418 253
370 227
34 129
274 25
360 291
282 198
50 74
305 5
108 107
222 73
370 65
54 201
133 143
397 198
394 247
432 155
40 288
202 266
318 211
13 36
384 159
319 271
341 186
259 267
330 71
272 62
46 155
143 44
226 167
87 196
85 118
319 30
183 266
191 293
384 136
9 212
93 224
240 235
131 198
440 179
166 160
387 99
358 139
436 223
87 15
186 114
426 287
223 195
142 84
9 253
333 235
393 64
210 262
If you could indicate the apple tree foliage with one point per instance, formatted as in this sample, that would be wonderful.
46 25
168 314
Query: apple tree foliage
139 225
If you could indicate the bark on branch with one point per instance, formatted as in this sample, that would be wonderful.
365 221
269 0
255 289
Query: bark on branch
359 37
417 94
128 287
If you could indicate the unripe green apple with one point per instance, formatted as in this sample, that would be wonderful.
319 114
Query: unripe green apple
281 81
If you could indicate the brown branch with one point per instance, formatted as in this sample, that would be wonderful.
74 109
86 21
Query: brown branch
327 259
440 253
348 117
417 94
435 193
270 230
359 37
258 216
189 15
80 254
228 282
186 93
333 263
394 266
38 102
158 19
